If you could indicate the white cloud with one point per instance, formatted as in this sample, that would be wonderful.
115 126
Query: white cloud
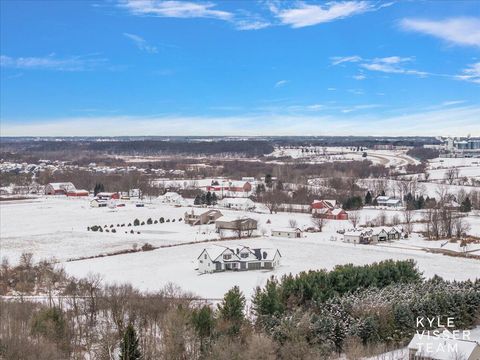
175 9
390 64
141 43
471 73
52 62
453 102
337 60
280 83
309 14
436 122
360 107
246 24
459 30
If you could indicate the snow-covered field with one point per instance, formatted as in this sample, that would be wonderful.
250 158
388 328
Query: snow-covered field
57 227
397 158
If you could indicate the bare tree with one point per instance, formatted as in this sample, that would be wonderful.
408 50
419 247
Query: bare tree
272 199
319 222
451 175
382 219
354 217
293 223
460 227
407 219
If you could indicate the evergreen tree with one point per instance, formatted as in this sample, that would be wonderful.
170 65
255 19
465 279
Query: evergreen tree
260 189
353 203
129 349
279 185
420 203
203 322
368 198
214 199
203 199
208 198
231 310
268 181
98 188
198 200
466 205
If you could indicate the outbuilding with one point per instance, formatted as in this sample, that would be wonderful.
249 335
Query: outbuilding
287 232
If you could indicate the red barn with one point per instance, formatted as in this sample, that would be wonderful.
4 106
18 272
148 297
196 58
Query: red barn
77 193
108 195
59 188
328 209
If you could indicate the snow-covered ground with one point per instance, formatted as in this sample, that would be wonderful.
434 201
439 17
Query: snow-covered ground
318 154
152 270
57 227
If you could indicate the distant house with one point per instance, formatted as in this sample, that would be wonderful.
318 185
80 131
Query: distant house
219 258
322 204
236 224
287 232
59 188
229 188
108 196
77 193
172 198
372 235
208 217
237 203
98 203
442 346
388 201
358 236
328 209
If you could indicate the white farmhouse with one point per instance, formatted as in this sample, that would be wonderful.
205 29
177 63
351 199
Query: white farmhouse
388 201
237 203
219 258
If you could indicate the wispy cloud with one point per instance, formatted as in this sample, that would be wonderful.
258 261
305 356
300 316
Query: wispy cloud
453 102
458 30
304 14
141 43
249 24
471 73
281 83
337 60
175 9
390 64
52 62
431 122
360 107
359 77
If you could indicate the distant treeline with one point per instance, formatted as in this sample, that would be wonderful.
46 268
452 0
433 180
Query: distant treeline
248 148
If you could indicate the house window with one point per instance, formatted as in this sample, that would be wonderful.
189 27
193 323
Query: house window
205 256
227 257
244 255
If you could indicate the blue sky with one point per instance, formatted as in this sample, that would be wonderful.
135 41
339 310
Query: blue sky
151 67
